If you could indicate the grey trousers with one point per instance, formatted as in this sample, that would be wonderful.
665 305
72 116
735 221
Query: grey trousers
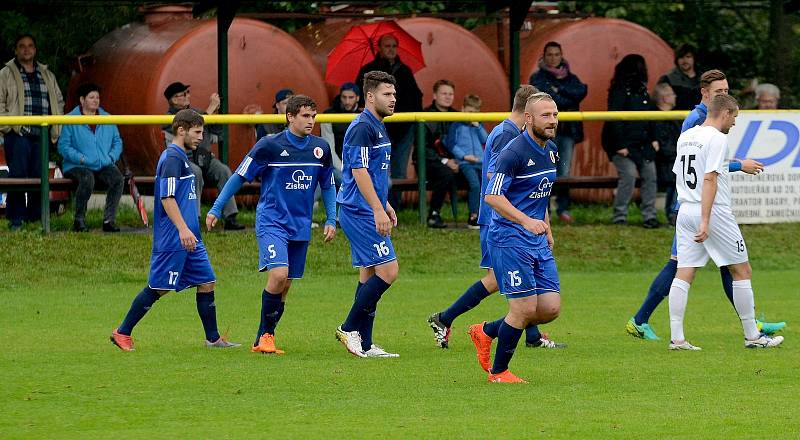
86 178
218 174
627 170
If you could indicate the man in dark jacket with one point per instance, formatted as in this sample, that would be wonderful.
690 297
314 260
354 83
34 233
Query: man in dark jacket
683 79
440 165
555 78
409 99
206 167
345 102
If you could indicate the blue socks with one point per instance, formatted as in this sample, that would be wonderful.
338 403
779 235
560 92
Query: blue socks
532 335
727 284
659 290
208 315
492 328
141 304
507 340
471 298
365 304
271 309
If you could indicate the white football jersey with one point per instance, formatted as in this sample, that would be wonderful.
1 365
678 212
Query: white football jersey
701 150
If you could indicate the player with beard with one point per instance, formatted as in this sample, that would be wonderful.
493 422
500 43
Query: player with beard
520 239
365 214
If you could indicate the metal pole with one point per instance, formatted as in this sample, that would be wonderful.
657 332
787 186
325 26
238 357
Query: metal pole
44 175
421 172
222 68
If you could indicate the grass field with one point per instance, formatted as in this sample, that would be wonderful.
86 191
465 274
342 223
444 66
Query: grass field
63 293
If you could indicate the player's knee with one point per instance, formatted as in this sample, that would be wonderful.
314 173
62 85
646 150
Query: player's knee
388 272
278 280
205 288
741 271
490 283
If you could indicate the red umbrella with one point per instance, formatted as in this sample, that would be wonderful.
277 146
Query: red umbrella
359 46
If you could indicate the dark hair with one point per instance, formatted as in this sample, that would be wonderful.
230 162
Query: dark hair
186 118
683 50
631 71
21 36
443 82
375 78
86 88
710 76
720 103
521 97
296 102
551 44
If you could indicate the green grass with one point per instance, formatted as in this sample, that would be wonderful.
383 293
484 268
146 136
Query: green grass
63 293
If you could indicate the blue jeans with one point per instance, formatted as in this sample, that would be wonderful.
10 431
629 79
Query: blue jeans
472 173
565 146
22 157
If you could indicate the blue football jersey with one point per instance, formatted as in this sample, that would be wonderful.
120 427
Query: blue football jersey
500 136
524 174
365 145
174 178
290 168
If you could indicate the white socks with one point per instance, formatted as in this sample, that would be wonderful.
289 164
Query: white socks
745 307
678 297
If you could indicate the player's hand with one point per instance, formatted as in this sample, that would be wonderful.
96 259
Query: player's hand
383 224
623 152
702 233
252 109
751 166
188 240
537 227
213 103
211 221
329 232
453 165
392 214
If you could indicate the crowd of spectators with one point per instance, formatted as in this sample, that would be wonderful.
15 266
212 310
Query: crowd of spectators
453 151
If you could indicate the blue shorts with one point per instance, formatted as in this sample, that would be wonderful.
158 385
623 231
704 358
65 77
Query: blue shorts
367 247
486 259
276 251
523 272
178 270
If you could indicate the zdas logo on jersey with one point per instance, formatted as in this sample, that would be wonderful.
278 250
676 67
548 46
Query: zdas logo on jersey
545 186
300 180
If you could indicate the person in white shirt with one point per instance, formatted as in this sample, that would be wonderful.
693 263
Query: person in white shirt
706 227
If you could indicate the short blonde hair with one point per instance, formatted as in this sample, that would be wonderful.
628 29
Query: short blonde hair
473 101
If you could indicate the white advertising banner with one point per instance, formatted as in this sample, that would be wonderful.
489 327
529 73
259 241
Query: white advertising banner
772 138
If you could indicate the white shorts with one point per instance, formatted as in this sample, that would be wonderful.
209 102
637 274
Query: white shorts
725 244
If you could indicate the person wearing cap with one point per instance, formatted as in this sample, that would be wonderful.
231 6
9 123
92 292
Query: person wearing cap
281 99
345 102
206 167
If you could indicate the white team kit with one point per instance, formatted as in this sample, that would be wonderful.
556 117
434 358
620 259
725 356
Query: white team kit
701 150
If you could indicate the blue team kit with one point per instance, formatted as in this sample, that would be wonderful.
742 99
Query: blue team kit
171 266
522 261
290 168
366 145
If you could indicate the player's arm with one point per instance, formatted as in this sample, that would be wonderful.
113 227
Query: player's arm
328 189
383 224
706 203
188 240
748 166
550 241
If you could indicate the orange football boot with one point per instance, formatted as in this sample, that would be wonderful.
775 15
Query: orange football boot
505 377
124 342
266 345
483 344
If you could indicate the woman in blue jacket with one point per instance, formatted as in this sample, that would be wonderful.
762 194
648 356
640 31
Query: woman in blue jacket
90 152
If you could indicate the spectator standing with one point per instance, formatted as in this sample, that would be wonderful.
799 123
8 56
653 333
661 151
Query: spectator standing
465 141
666 133
409 99
90 152
27 88
439 164
345 102
206 167
631 145
767 96
683 79
555 78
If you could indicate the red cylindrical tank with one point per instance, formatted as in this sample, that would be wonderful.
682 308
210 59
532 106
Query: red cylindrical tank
135 63
450 51
593 47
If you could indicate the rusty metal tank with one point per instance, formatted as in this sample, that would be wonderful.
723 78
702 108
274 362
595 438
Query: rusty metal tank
450 52
593 47
135 63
